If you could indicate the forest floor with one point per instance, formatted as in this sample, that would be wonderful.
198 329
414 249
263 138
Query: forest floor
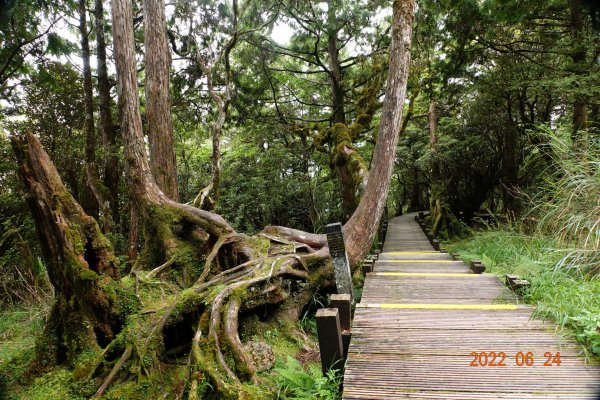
561 294
296 373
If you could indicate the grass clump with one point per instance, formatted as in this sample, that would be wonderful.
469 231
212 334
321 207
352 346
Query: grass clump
565 295
18 328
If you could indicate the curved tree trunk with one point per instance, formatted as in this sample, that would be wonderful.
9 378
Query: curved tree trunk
360 230
208 197
163 163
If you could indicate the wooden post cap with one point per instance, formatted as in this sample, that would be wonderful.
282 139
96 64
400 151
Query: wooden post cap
343 302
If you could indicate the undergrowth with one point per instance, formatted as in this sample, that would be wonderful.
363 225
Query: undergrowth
565 295
288 380
297 382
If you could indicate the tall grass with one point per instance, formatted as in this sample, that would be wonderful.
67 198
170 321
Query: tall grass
561 255
572 300
567 203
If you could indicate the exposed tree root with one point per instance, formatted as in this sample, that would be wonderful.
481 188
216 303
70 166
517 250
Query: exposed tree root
114 372
215 300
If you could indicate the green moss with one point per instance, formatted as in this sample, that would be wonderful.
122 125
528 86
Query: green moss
86 363
130 391
126 301
58 384
88 275
51 386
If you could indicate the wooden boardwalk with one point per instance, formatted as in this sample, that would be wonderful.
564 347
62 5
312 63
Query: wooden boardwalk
421 317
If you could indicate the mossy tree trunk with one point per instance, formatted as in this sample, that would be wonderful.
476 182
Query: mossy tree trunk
94 182
81 265
107 125
437 206
348 164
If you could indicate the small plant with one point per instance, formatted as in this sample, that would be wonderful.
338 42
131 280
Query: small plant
295 382
307 322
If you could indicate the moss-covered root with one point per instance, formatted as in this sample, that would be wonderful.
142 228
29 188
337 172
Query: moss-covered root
217 357
213 353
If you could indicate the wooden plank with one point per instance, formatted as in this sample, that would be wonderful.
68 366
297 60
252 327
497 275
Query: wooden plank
422 274
425 306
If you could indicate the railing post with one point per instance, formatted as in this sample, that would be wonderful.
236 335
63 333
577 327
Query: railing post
429 234
330 339
344 306
516 283
477 267
341 266
367 266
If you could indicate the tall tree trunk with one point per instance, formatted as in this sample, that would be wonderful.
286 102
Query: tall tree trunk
437 187
343 150
578 55
362 227
145 191
510 179
91 168
133 237
208 197
109 129
335 68
158 105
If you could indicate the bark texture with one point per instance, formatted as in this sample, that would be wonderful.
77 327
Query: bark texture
437 206
578 55
348 164
158 104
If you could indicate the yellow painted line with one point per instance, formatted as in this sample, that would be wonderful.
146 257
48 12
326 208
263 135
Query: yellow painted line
442 306
461 275
410 252
418 261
